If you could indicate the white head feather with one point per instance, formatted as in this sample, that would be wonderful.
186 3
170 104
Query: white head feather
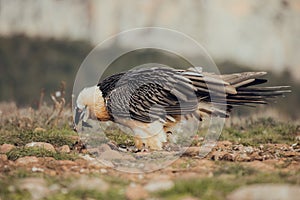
91 99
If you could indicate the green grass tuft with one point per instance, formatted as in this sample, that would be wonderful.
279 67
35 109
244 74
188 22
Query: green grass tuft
16 153
262 131
56 137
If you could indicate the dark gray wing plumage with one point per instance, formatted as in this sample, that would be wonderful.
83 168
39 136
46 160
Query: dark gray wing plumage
162 93
150 94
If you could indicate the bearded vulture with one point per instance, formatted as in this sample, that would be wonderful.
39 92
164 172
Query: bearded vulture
150 101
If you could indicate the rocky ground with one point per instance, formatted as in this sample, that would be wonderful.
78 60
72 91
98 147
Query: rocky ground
84 177
259 159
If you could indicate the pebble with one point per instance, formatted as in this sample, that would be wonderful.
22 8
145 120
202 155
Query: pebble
44 145
261 147
37 169
266 191
243 158
192 151
5 148
248 149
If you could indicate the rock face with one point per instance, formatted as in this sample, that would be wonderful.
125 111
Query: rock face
44 145
266 191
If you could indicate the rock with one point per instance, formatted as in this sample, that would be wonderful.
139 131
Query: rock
158 185
5 148
135 192
237 147
104 147
27 160
266 191
192 151
64 149
37 187
3 157
243 158
89 183
37 169
221 155
43 145
110 155
248 149
228 156
114 155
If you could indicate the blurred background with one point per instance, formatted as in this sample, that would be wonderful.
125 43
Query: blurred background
44 42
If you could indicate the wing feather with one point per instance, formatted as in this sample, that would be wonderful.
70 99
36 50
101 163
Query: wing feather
160 93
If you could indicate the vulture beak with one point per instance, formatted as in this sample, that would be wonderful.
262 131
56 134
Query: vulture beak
81 115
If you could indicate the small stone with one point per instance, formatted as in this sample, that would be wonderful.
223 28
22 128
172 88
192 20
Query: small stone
266 191
225 143
192 151
243 157
261 147
43 145
5 148
158 185
141 176
37 169
228 157
27 160
248 149
96 162
64 149
136 192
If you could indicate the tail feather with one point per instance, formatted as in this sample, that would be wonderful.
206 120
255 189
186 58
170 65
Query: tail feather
241 89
